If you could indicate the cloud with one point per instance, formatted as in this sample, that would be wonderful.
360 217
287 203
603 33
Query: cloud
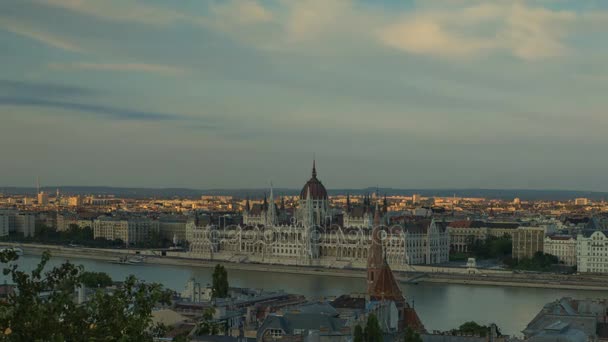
242 11
41 89
135 67
529 33
106 112
119 10
427 36
39 35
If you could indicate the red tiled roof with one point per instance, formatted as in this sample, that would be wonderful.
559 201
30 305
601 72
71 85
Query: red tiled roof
385 286
413 321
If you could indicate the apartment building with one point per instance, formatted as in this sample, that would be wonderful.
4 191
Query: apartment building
529 240
592 252
129 230
563 247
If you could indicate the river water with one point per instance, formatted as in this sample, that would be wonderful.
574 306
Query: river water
440 306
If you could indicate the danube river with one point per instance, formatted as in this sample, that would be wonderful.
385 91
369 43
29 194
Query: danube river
440 306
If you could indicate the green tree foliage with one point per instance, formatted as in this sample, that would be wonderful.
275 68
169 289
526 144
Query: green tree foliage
207 326
411 336
220 282
95 279
358 334
474 329
540 262
372 332
43 307
492 248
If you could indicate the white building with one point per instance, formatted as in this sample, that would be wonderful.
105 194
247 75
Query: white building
592 252
563 247
130 231
23 223
314 240
196 293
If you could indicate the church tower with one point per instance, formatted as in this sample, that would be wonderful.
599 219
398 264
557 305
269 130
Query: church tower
375 258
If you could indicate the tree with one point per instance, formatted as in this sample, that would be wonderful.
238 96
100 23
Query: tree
539 262
473 329
373 333
358 335
96 279
411 336
43 307
207 326
220 282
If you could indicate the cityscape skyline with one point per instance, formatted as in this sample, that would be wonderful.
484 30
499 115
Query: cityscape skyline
304 170
216 94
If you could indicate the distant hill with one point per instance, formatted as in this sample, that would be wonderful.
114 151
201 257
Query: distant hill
258 192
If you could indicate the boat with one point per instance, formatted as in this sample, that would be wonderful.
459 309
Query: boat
17 250
138 260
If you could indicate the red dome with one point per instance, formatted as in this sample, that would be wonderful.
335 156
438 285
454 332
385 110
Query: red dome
316 188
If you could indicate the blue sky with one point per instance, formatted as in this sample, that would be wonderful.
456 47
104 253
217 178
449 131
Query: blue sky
238 93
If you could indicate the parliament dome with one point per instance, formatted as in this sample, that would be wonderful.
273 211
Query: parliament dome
314 186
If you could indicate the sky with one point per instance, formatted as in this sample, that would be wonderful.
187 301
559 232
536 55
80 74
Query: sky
241 93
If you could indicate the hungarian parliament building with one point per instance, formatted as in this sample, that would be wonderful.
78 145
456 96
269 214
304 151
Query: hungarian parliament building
313 234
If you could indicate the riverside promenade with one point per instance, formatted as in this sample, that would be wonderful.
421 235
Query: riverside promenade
419 274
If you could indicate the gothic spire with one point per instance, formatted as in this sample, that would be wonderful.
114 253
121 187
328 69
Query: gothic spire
272 210
377 218
314 169
348 202
265 204
384 205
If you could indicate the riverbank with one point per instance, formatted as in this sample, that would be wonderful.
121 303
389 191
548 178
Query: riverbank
507 279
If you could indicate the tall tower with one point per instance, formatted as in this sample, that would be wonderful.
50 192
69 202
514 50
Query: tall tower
375 258
272 219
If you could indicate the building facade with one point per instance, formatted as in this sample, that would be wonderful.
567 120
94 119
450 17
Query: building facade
592 252
130 231
563 247
4 225
463 233
527 241
172 229
314 239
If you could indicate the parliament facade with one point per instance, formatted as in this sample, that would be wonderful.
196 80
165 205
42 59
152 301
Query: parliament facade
312 234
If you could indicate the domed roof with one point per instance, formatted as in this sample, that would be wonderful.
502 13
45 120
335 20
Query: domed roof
314 186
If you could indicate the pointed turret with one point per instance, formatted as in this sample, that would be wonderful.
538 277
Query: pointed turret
247 205
377 217
348 203
309 210
265 204
314 168
272 217
375 258
384 205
